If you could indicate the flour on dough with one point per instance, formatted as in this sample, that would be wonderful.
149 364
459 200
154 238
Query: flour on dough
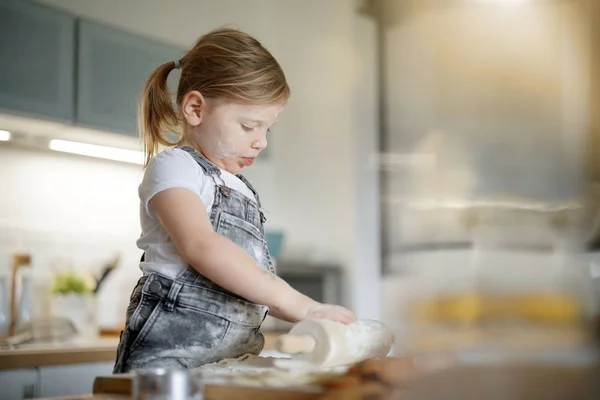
251 370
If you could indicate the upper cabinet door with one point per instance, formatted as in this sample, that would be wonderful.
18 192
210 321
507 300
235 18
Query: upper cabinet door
37 50
112 68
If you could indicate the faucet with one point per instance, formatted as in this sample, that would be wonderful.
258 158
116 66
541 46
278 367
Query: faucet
18 261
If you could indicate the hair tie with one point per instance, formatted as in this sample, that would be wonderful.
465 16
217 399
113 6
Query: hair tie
177 64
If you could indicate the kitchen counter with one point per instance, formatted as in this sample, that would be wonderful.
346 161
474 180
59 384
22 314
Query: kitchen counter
76 351
89 397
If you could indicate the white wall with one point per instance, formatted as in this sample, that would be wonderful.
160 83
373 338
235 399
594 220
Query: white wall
70 211
310 187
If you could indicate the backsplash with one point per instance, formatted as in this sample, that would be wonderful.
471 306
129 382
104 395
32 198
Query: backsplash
71 211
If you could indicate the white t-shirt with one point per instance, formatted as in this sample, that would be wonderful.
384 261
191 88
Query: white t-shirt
169 169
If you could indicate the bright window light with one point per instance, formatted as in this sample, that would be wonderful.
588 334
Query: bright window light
4 136
94 150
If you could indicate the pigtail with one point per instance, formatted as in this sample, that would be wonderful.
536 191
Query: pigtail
156 112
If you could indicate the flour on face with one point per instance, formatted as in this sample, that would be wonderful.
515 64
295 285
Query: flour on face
226 149
231 135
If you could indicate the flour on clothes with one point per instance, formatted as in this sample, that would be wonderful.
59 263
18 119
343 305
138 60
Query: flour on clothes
174 168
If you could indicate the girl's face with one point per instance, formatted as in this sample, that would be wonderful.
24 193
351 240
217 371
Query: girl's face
231 135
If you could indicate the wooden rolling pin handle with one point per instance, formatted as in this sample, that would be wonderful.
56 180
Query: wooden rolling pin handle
295 344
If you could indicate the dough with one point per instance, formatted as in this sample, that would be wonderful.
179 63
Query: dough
251 370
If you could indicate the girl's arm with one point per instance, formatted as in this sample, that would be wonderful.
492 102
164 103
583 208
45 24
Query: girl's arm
184 217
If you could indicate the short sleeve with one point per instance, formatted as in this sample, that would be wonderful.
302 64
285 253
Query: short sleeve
170 169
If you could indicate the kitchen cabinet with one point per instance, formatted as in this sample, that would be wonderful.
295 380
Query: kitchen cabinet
70 380
52 380
37 72
113 66
18 384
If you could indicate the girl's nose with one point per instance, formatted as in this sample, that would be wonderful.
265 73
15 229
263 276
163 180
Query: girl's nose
259 144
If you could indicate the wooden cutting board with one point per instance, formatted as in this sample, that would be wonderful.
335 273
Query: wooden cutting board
120 384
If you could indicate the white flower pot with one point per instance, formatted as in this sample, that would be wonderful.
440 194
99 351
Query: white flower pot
80 309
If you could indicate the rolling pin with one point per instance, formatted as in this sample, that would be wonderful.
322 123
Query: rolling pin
327 344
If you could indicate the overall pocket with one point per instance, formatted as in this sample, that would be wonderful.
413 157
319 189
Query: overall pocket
122 352
197 336
142 319
245 235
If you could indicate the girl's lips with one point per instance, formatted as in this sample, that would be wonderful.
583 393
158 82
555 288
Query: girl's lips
247 160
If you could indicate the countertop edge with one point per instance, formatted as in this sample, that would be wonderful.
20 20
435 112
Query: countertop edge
60 356
65 354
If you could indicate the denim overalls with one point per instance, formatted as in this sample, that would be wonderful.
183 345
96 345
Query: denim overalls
191 321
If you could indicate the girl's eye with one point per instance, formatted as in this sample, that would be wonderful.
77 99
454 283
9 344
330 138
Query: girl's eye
247 128
268 130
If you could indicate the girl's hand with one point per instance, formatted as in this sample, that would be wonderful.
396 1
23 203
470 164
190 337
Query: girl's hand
331 312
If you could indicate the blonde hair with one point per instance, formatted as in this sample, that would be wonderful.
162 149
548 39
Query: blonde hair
226 64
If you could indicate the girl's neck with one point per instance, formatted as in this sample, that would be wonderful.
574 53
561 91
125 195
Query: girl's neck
187 142
198 149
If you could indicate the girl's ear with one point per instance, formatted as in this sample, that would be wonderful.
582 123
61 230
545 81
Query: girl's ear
192 107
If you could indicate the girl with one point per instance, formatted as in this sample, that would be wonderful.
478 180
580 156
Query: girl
208 278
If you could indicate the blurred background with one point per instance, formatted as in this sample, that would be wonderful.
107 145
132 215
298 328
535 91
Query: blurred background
430 147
